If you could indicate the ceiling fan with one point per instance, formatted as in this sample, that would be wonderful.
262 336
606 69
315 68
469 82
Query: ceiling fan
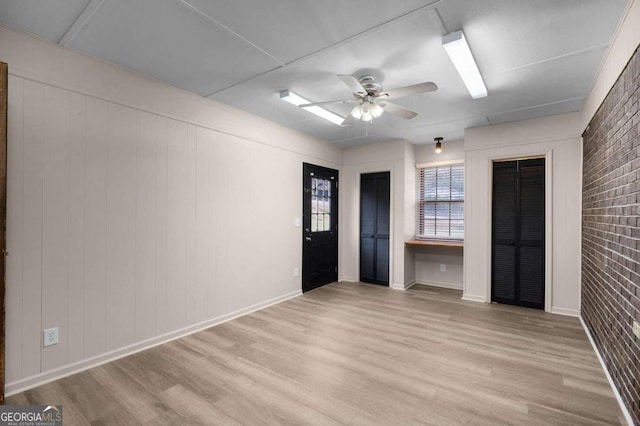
368 95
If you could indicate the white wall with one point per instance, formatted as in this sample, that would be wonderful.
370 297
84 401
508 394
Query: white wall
427 266
451 151
409 207
558 137
428 259
623 44
136 211
392 157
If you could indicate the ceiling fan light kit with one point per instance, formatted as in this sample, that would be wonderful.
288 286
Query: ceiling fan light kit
366 92
367 110
297 100
456 46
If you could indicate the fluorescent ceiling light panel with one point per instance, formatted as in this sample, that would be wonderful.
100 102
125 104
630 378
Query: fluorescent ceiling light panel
297 100
458 50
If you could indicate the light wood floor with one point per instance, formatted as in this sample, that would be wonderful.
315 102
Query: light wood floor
354 354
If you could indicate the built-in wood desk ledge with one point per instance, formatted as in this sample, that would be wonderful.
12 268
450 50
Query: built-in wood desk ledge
435 243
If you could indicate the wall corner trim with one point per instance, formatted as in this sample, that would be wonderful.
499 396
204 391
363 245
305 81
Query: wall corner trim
474 298
625 411
565 311
402 287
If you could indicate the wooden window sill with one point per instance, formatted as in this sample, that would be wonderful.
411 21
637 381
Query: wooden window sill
436 243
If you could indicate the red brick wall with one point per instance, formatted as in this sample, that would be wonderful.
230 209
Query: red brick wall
611 232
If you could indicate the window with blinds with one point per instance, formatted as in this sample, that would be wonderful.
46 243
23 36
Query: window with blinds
441 202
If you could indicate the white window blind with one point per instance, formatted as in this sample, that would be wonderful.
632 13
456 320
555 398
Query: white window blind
441 202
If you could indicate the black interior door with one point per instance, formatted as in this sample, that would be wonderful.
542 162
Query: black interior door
374 227
320 224
518 229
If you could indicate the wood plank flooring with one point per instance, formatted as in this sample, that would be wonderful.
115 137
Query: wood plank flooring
354 354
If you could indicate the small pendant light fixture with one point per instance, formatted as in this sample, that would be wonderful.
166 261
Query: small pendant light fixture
438 145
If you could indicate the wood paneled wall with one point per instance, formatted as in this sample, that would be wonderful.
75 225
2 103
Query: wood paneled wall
126 225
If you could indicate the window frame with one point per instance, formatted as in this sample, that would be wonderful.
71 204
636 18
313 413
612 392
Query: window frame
421 202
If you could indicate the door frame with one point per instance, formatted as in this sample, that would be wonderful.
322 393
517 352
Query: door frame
548 221
4 77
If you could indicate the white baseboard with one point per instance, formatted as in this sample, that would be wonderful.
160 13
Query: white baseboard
441 285
77 367
625 411
474 298
348 279
565 311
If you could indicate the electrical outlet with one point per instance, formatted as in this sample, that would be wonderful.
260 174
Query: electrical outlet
636 329
443 267
296 271
51 336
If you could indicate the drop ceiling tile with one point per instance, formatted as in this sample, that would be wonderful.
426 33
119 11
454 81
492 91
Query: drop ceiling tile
539 111
527 92
331 132
364 140
164 40
398 54
49 19
416 60
289 29
449 130
545 83
503 36
260 95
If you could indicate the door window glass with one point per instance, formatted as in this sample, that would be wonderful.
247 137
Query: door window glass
320 205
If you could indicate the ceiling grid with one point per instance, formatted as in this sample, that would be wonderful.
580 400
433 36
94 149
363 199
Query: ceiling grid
536 58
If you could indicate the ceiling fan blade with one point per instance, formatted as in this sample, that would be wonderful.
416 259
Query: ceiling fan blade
353 83
348 120
398 110
341 101
409 90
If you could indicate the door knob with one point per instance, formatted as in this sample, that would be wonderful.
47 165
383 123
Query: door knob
307 238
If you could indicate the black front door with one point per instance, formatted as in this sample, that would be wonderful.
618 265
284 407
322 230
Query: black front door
320 225
518 243
374 227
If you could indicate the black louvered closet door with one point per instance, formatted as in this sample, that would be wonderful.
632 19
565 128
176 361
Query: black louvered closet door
374 227
517 270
